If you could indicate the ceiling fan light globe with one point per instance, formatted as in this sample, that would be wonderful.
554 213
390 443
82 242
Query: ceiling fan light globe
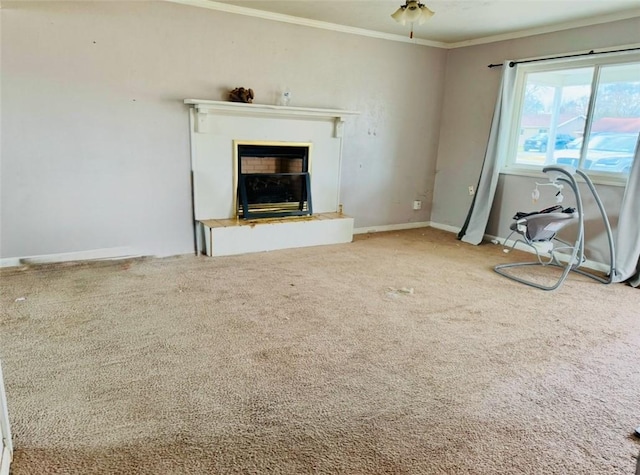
399 16
425 14
412 12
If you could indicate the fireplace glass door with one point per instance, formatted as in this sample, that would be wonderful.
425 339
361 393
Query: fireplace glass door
273 181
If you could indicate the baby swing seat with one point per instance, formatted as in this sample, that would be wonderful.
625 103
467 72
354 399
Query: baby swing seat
540 227
538 230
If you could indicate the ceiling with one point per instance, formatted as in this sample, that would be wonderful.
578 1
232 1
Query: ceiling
455 23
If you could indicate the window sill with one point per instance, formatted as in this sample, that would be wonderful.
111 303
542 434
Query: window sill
597 179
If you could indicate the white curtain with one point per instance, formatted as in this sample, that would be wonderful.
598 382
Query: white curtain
476 223
628 237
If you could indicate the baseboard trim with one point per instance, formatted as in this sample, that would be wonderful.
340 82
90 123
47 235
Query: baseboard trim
391 227
92 255
115 253
445 227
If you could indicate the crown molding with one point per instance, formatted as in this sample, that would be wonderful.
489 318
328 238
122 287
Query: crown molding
626 15
323 25
228 8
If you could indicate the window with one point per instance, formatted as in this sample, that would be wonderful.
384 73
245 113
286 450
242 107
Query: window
583 113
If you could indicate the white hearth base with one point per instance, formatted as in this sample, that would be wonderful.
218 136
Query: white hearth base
227 237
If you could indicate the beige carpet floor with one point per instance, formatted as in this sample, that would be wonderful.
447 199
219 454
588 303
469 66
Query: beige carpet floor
400 353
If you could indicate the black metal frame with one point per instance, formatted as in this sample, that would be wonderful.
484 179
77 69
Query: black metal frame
302 210
274 210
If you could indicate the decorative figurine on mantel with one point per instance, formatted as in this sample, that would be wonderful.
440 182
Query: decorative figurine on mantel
240 94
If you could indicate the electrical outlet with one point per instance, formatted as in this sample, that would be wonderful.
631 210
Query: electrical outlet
417 204
472 190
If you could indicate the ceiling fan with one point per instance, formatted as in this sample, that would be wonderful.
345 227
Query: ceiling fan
412 11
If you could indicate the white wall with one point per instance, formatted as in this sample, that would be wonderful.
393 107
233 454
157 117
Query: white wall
469 99
95 138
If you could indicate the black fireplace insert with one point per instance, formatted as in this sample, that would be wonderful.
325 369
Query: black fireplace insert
273 181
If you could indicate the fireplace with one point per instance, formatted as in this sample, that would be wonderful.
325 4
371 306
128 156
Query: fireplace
253 161
272 179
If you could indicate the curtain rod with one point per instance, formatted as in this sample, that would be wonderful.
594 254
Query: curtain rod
513 63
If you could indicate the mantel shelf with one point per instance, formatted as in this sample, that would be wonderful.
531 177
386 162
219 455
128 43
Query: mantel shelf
267 109
204 108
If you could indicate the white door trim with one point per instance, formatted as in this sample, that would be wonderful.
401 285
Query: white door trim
5 430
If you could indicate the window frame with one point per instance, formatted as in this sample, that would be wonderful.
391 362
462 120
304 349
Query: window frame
509 167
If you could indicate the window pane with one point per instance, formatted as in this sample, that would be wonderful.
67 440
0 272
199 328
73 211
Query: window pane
553 116
616 120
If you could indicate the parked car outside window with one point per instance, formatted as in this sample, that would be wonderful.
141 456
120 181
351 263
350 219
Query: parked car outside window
606 152
539 142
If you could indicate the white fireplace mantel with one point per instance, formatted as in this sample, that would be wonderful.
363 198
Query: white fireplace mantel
204 107
216 129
